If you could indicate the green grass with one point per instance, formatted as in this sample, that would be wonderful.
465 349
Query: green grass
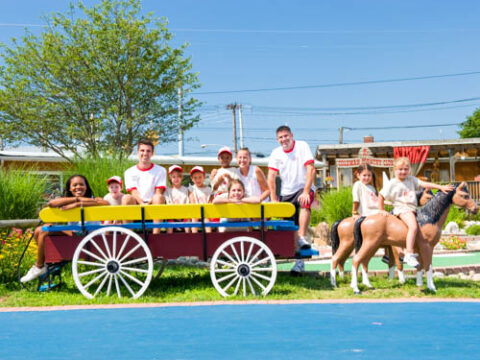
188 284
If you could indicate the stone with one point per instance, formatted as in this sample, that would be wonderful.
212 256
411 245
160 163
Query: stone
322 232
452 228
476 277
438 274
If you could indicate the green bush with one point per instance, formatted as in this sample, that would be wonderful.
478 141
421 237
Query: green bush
98 169
457 215
473 230
335 205
21 193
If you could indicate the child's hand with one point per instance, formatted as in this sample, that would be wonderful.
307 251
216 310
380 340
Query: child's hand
356 217
70 206
384 213
446 188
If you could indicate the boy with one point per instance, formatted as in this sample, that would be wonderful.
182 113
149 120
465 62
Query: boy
219 178
199 192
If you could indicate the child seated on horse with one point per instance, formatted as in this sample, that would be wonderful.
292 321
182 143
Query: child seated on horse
235 195
401 192
77 194
365 199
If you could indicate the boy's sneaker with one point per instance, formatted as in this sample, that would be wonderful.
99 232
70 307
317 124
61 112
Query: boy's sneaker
298 268
34 273
303 244
411 259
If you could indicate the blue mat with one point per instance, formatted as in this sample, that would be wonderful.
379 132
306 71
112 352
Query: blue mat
308 331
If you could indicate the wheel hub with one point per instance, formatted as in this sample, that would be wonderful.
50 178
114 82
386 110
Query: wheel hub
113 267
243 270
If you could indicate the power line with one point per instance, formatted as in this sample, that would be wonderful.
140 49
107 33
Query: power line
352 83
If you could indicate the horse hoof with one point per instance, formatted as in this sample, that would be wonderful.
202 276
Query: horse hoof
357 292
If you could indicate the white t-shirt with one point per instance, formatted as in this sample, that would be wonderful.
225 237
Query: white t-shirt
291 166
223 187
367 198
112 201
402 194
201 195
176 196
252 187
146 181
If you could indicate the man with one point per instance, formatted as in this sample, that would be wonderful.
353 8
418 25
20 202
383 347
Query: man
145 181
293 162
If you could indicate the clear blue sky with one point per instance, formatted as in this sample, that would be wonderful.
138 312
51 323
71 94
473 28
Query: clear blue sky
275 44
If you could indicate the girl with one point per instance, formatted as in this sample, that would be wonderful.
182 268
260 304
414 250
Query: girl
77 193
177 194
252 177
219 178
199 192
401 192
235 195
365 200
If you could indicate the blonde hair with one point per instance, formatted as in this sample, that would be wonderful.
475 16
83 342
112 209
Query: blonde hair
401 161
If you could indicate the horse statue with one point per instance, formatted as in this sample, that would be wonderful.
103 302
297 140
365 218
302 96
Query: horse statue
343 243
379 230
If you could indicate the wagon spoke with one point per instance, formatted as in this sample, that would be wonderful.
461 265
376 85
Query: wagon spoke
251 286
226 264
134 269
226 277
130 252
126 284
109 286
260 262
242 252
230 284
238 285
262 269
247 258
114 248
135 261
105 243
94 280
254 257
123 247
244 287
260 276
235 253
225 270
258 282
101 285
98 248
91 272
89 253
229 257
134 279
91 263
119 294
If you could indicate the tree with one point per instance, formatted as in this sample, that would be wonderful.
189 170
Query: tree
95 83
471 127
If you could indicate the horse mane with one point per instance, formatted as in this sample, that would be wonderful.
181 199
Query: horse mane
433 210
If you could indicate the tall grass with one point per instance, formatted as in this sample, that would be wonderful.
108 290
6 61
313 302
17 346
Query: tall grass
98 169
335 205
21 193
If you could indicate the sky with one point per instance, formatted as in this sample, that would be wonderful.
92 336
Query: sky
315 65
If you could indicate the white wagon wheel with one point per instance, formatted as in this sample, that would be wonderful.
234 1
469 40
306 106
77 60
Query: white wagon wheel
243 265
104 261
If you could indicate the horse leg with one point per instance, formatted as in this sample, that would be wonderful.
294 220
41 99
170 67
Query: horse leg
338 259
426 254
391 262
401 275
361 257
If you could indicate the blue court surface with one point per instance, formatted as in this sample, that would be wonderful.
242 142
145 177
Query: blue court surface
440 330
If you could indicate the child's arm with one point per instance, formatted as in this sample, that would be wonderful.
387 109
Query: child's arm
429 185
355 207
251 200
84 202
262 182
192 199
381 205
221 200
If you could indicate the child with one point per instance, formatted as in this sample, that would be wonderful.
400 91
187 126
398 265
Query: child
77 193
199 192
401 192
365 200
114 196
235 195
177 194
220 178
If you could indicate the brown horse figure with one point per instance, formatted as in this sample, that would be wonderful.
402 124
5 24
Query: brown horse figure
379 230
343 243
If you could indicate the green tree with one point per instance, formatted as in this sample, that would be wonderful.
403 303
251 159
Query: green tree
94 81
471 127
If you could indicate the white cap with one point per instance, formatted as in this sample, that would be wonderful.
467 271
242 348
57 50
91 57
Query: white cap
174 167
117 179
197 168
224 149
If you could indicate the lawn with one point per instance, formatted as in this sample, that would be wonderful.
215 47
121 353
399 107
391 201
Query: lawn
188 284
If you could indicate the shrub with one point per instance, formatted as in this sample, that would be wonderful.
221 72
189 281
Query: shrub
335 205
457 215
21 193
98 169
453 243
473 230
12 243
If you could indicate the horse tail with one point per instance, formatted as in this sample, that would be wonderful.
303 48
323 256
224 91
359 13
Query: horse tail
357 233
335 240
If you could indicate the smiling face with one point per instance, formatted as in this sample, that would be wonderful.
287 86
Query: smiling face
114 188
198 178
285 139
402 170
365 177
176 178
145 153
78 186
236 192
225 159
243 159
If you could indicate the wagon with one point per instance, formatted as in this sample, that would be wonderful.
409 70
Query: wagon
120 258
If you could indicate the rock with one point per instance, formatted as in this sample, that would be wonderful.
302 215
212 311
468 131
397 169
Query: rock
463 276
454 276
322 231
438 274
452 228
476 277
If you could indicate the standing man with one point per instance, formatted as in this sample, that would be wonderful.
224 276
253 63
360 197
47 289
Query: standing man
145 182
293 162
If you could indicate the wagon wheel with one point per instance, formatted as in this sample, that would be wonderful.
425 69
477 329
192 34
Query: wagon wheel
243 265
112 259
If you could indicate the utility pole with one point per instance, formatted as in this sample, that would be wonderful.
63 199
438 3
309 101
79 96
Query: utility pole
233 107
180 122
240 123
340 139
